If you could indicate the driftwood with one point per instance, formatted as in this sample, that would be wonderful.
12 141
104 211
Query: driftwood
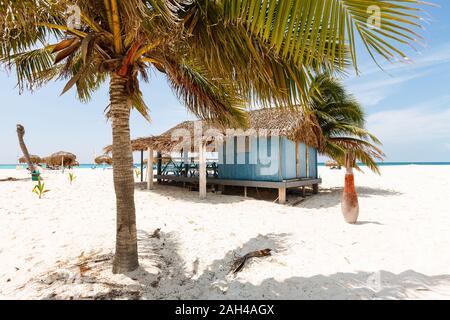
9 179
240 262
156 234
14 179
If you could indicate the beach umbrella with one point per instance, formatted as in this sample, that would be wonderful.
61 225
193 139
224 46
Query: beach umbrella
34 159
63 158
103 159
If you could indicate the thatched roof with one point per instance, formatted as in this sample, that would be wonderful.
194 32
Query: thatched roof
103 159
34 159
69 159
291 124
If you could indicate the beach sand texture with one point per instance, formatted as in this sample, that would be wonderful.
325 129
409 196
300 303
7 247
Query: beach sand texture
60 247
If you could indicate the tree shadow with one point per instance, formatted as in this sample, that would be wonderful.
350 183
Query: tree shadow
360 223
216 283
331 197
179 192
164 274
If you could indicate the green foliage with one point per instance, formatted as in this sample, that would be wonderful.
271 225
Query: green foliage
342 121
72 177
218 56
39 189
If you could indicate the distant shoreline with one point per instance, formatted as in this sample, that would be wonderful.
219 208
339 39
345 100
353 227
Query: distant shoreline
382 164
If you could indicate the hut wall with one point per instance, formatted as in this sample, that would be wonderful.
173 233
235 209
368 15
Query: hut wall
312 155
302 160
289 167
289 160
237 160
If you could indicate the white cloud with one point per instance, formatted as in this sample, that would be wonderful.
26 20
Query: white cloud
425 122
370 93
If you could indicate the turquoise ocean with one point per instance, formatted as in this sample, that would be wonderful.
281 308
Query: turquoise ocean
91 166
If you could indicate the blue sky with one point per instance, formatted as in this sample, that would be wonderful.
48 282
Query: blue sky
407 106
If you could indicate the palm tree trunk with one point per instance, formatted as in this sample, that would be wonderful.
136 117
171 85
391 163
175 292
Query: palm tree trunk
20 135
349 205
126 256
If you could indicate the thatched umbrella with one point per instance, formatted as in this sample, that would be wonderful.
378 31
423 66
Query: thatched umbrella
104 159
34 159
67 159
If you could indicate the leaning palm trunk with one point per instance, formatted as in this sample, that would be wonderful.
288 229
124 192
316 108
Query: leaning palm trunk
349 205
20 134
126 257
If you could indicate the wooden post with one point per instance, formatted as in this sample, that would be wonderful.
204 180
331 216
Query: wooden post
150 169
245 192
202 170
303 192
159 165
315 188
142 165
282 195
186 162
307 161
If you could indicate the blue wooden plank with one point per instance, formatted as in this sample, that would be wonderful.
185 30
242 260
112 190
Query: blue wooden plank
302 159
312 162
289 168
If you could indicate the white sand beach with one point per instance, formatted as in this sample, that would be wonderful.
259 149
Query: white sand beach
60 247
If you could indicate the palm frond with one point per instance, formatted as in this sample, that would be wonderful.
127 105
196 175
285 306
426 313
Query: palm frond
212 99
33 68
279 21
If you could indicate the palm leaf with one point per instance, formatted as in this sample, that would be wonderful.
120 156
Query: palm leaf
314 22
209 99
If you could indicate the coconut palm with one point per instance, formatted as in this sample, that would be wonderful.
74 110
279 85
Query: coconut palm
217 56
342 122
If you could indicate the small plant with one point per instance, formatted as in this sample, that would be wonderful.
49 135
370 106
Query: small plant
39 189
137 172
72 177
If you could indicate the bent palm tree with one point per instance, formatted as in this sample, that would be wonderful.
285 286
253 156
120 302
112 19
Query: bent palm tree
342 121
217 56
23 147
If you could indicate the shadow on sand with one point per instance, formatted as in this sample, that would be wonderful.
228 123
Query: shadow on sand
327 197
233 194
164 274
331 197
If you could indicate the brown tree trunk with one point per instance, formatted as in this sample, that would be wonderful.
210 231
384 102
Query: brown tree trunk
349 205
126 256
20 135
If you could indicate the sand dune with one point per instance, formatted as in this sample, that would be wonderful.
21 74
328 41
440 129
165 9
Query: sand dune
61 246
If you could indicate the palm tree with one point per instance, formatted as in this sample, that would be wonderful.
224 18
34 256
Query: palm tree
342 122
217 55
20 134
